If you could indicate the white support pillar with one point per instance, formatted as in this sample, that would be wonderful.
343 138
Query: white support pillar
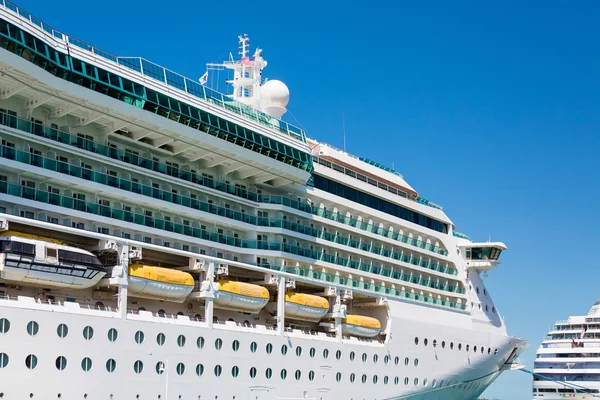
122 280
208 293
281 306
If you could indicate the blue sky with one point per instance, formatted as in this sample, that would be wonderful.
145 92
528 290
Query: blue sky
489 109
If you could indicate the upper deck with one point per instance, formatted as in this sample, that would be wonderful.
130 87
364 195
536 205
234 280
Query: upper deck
168 79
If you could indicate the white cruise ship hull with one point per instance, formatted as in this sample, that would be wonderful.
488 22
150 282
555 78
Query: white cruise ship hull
469 374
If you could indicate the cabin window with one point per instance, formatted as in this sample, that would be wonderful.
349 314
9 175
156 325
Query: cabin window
61 363
199 369
180 369
139 337
113 334
111 365
31 361
33 328
88 332
86 364
218 370
138 367
181 341
62 331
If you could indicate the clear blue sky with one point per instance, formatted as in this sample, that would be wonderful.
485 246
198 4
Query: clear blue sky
491 110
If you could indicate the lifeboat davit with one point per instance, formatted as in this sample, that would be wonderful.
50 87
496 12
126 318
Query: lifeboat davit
359 325
305 306
159 283
40 261
241 296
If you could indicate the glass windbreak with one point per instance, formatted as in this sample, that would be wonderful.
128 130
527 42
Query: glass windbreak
483 253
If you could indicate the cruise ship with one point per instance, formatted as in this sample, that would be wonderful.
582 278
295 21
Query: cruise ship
162 240
567 364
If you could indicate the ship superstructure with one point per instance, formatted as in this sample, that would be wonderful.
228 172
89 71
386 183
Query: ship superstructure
567 363
161 240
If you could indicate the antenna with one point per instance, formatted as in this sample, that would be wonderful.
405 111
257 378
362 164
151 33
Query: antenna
344 129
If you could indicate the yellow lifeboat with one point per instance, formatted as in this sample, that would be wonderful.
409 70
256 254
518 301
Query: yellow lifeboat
241 296
159 283
305 306
359 325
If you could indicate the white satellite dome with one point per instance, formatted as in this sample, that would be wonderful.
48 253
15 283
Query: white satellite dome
274 93
274 96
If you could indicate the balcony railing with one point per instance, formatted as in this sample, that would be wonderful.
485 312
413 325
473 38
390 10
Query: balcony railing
147 163
70 203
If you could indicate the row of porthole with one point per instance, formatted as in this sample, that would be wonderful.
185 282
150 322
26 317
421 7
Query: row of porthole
443 345
31 362
88 333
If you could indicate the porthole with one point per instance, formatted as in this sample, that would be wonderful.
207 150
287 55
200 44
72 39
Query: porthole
33 328
494 310
352 355
425 342
235 345
416 340
467 348
269 348
268 373
396 380
111 365
298 374
283 374
416 381
160 339
218 370
338 354
406 361
375 379
433 383
425 382
406 381
441 383
364 378
434 343
486 308
375 358
86 364
235 371
218 344
460 346
138 367
495 351
113 335
180 369
199 369
364 357
62 330
3 360
416 362
253 347
139 337
484 292
284 349
451 345
181 340
489 350
385 380
443 344
4 325
60 363
386 359
352 378
325 353
160 368
312 352
31 361
88 332
482 349
474 349
298 351
338 376
477 290
200 342
252 372
396 360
